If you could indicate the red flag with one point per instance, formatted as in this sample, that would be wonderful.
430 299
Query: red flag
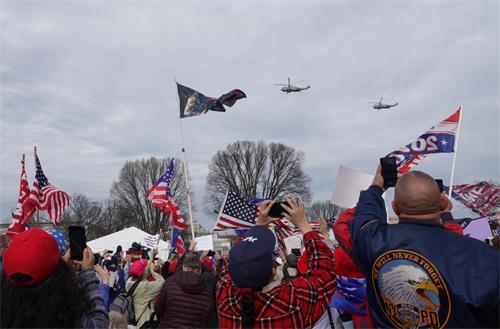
46 196
22 214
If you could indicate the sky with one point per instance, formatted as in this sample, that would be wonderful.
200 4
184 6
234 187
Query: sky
92 85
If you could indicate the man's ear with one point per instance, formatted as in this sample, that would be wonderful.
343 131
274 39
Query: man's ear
395 207
443 202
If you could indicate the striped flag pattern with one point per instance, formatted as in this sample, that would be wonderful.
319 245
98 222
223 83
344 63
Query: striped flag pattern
175 219
46 196
177 242
22 214
438 139
159 193
236 212
481 198
161 197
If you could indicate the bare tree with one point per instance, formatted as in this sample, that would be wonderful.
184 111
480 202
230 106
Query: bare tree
324 209
254 169
136 178
84 212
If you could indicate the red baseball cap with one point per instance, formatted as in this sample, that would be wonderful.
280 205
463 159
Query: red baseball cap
33 253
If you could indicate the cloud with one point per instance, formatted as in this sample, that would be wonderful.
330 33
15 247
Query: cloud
92 84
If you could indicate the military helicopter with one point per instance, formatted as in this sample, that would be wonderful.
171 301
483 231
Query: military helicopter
289 88
380 106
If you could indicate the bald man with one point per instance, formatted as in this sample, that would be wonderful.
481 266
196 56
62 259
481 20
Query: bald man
419 274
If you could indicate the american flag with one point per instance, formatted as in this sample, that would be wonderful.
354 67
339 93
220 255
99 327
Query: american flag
22 214
283 229
236 212
177 243
438 139
159 193
162 198
481 198
175 219
46 196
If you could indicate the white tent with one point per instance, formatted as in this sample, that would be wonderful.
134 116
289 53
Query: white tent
125 238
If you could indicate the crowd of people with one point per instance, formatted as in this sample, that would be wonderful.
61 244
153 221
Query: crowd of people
420 272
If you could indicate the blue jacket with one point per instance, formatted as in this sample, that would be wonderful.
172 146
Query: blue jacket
420 275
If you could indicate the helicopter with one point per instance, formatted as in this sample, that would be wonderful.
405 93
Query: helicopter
289 88
380 106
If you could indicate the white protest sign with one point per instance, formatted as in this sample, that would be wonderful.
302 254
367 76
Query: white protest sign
293 242
151 241
205 242
348 185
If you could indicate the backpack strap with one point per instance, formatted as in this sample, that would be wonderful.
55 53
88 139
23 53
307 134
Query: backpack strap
132 289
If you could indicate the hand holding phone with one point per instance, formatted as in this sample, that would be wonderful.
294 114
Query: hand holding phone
77 242
389 171
276 210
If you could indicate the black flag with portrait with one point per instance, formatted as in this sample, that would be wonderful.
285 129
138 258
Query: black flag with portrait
194 103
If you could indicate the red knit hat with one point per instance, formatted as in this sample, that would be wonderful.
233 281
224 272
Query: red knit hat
33 253
138 268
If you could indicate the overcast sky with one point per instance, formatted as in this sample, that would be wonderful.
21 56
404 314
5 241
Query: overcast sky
91 83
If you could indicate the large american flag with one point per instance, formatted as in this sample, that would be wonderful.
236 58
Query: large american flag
46 196
438 139
175 219
481 198
22 214
162 198
236 212
159 193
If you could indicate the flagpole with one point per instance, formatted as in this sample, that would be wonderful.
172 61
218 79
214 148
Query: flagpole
188 193
455 147
37 210
184 161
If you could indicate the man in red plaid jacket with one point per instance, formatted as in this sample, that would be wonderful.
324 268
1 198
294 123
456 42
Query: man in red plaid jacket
293 304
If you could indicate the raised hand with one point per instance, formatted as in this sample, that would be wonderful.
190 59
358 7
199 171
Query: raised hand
264 208
296 214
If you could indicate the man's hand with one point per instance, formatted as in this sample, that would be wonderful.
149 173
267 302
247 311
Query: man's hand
264 208
88 259
295 213
378 180
171 257
102 273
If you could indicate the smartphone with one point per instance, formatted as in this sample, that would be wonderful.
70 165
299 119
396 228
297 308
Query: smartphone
77 241
389 171
440 184
277 209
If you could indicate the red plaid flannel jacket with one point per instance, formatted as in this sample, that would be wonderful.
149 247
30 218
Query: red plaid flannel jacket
294 304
